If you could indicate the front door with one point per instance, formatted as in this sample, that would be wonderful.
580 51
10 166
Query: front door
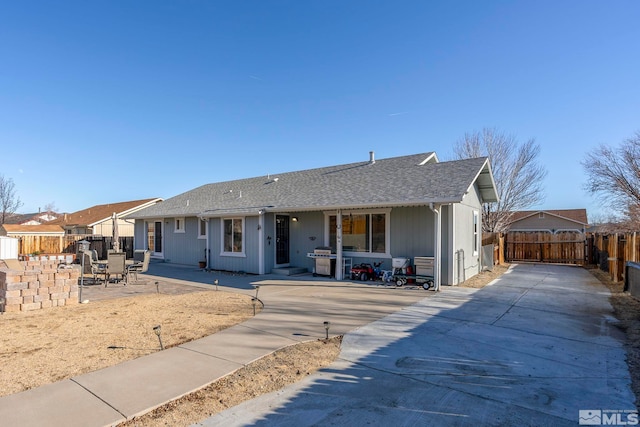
282 239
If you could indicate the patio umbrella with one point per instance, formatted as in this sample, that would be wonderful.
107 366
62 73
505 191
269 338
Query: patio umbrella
115 244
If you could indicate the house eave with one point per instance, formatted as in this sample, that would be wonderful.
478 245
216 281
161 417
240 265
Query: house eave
217 213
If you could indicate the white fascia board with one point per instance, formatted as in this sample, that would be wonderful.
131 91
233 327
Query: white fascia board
486 165
431 158
138 208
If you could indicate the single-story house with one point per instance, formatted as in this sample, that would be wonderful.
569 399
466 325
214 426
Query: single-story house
99 220
551 221
45 238
368 211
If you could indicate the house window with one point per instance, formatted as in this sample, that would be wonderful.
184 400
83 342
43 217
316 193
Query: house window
362 232
233 235
179 228
476 232
541 215
202 229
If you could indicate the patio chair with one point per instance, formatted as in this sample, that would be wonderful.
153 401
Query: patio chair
140 263
91 267
116 266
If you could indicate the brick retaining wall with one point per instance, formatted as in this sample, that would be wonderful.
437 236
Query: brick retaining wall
40 285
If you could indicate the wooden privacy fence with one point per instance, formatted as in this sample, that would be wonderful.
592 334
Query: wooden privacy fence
34 244
611 251
67 244
533 246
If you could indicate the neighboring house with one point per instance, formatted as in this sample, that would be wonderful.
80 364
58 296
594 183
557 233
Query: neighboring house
32 218
98 220
552 221
369 211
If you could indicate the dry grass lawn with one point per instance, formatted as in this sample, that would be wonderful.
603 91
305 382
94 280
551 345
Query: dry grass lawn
44 346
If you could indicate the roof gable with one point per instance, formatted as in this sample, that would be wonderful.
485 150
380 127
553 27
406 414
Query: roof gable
417 179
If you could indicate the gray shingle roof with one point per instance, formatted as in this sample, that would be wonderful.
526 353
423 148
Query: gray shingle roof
399 181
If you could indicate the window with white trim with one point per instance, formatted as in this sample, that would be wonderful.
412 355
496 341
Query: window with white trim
476 232
179 225
361 232
202 229
233 235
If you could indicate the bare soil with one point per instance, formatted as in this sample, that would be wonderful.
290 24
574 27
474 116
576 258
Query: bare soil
627 310
485 277
38 348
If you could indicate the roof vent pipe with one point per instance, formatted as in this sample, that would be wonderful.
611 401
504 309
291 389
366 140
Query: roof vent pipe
372 157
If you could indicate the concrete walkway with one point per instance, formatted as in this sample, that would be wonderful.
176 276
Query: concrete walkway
534 348
294 311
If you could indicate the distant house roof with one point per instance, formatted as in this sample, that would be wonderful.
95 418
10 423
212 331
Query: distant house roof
575 215
100 213
400 181
43 229
34 218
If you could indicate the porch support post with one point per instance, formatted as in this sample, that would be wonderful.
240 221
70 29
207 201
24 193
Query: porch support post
261 241
207 244
437 265
339 271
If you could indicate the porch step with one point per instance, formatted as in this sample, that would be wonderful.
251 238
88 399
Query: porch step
289 271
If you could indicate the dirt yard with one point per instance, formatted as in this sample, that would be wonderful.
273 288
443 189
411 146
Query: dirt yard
627 311
44 346
37 348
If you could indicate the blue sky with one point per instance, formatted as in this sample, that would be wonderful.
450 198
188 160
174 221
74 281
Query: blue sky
109 101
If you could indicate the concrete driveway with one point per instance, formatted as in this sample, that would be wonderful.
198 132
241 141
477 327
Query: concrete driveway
536 347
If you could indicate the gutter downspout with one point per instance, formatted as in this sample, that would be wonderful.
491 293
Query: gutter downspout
438 246
339 272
